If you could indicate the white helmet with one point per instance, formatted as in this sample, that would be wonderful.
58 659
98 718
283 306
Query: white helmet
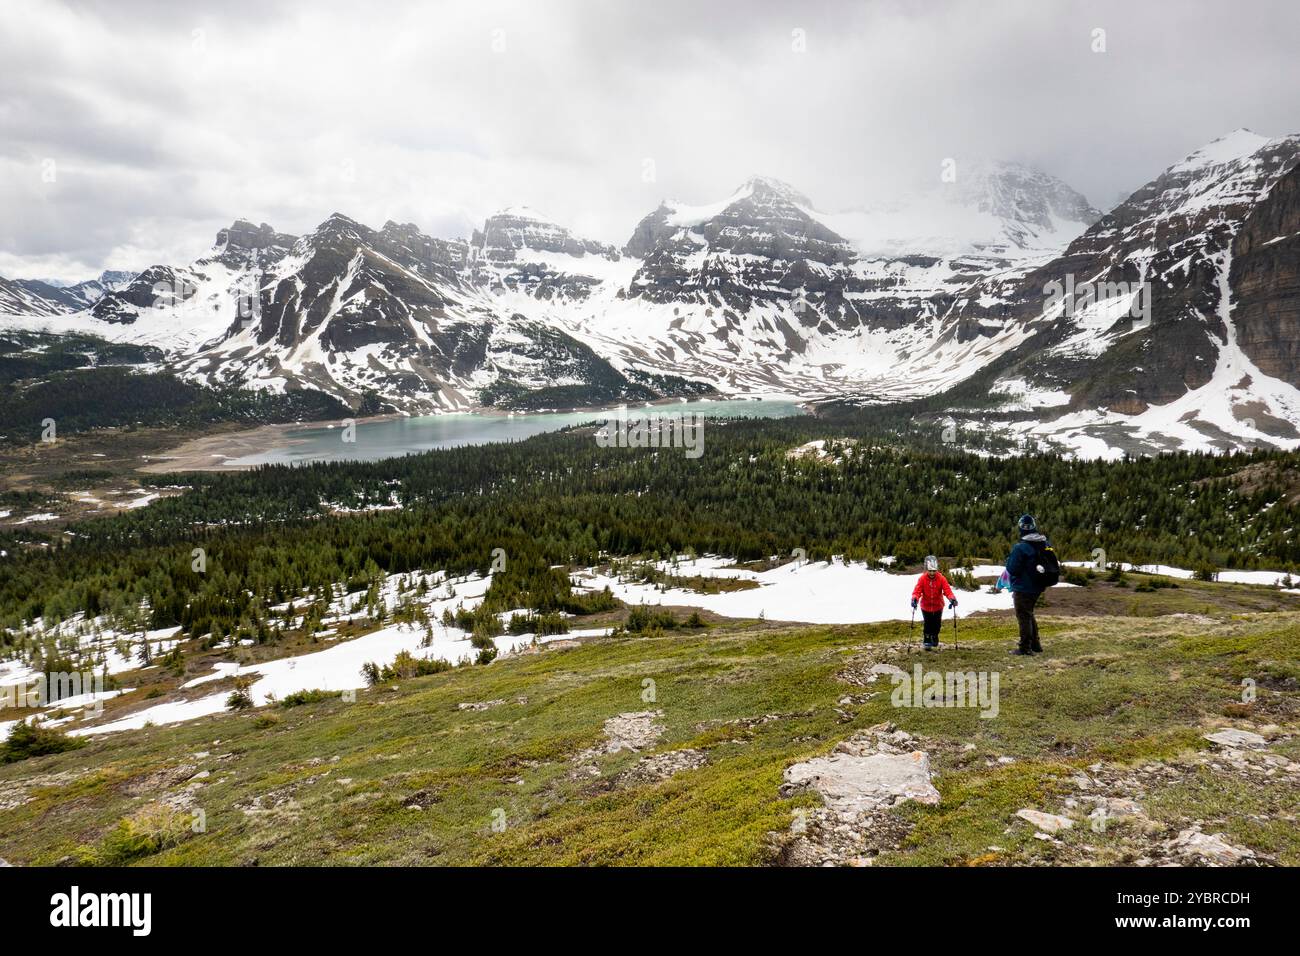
931 563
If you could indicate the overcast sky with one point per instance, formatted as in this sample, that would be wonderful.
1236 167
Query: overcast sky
160 122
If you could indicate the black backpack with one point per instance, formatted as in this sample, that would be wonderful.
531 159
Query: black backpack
1047 572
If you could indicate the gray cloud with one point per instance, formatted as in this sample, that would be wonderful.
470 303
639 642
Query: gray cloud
166 122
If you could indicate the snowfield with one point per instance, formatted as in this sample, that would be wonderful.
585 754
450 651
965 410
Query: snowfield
813 592
825 592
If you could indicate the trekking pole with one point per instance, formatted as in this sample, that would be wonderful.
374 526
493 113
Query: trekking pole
954 628
911 631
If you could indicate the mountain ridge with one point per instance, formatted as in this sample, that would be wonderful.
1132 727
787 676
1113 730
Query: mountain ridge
761 292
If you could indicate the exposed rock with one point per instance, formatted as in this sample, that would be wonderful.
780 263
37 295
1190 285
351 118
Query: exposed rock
870 770
183 799
1046 822
1232 737
15 793
860 782
855 784
1116 808
630 731
633 731
661 766
865 671
507 233
480 705
1266 283
1210 848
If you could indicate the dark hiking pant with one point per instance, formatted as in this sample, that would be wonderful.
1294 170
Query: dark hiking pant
1024 604
933 625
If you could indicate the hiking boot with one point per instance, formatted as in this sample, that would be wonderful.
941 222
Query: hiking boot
1037 649
1022 652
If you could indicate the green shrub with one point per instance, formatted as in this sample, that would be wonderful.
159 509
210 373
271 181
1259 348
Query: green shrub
298 698
29 739
241 698
1076 576
592 603
404 665
963 580
642 618
149 830
543 625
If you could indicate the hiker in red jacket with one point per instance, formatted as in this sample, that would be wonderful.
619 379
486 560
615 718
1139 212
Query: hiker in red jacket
929 592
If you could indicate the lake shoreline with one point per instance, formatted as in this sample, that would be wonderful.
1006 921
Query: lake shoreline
222 451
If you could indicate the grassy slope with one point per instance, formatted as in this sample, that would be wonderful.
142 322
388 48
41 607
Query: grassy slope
330 782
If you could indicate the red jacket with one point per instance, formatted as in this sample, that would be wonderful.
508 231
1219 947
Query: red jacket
931 592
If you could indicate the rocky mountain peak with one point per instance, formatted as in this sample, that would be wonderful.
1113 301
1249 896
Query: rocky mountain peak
243 235
767 188
1231 147
338 224
516 230
1020 194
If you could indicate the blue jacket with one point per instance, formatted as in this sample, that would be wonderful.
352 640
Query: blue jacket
1021 561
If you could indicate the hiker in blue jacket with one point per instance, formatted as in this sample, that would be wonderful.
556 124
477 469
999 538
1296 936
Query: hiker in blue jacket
1028 572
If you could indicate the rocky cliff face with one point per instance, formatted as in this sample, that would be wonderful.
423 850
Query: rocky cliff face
242 242
1265 280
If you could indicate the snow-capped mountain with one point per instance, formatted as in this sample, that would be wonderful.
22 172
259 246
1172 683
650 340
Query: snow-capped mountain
32 297
762 291
754 292
52 297
92 290
515 232
758 291
1189 340
989 208
377 318
518 250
